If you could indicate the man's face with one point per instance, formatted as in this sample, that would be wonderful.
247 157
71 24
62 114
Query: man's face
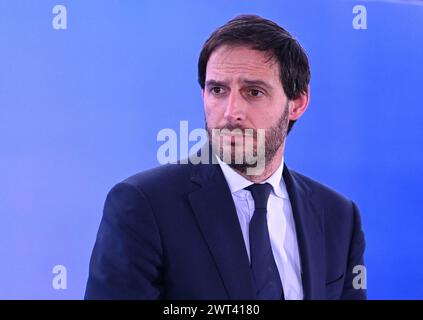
243 90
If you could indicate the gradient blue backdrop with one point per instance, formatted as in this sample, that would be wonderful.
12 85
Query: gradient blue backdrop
80 110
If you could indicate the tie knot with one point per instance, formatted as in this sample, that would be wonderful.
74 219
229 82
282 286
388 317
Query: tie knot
260 193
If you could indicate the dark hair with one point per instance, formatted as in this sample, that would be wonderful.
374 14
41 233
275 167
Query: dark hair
263 35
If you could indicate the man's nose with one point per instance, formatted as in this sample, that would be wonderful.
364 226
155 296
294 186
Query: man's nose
235 111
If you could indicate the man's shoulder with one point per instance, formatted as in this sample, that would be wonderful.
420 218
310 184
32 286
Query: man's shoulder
161 178
320 191
340 212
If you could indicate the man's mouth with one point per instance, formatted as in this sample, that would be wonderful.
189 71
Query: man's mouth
237 132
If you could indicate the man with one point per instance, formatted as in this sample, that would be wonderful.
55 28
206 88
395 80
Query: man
214 230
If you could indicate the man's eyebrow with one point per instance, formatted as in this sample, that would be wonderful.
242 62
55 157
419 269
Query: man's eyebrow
257 82
249 82
217 83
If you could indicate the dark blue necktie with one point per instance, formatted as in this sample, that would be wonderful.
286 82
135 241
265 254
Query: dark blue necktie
265 272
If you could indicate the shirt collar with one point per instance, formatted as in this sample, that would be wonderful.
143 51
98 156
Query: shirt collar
237 182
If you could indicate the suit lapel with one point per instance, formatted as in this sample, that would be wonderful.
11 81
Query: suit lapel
215 211
310 234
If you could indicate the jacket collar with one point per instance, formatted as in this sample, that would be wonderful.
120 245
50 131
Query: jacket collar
309 225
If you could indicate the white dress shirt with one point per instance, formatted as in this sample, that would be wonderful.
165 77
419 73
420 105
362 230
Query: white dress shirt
280 222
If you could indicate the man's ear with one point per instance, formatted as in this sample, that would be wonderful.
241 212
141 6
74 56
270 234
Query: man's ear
298 106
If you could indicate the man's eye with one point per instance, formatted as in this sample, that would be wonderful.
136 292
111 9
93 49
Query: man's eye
217 90
255 93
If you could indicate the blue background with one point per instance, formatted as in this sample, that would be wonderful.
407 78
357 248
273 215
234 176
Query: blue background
80 110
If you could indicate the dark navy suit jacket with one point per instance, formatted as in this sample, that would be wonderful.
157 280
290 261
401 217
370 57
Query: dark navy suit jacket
173 233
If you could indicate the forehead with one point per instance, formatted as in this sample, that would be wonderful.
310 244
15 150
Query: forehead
243 62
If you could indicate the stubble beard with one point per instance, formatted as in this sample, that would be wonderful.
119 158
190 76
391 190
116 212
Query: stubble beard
274 139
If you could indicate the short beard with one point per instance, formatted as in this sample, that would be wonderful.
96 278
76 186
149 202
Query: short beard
274 138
